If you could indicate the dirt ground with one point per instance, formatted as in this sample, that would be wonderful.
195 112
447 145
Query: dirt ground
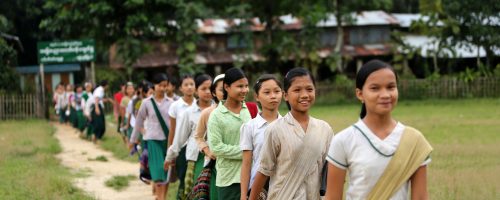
93 174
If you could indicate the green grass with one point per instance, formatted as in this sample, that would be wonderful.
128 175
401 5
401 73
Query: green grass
112 141
28 168
119 182
99 158
465 135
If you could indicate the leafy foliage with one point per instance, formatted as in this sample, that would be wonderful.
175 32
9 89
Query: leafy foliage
9 79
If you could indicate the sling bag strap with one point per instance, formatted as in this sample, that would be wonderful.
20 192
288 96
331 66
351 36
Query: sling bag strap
412 151
307 155
160 119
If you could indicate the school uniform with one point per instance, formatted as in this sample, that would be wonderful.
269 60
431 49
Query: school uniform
175 111
80 119
283 143
223 139
61 106
251 139
73 117
365 156
87 99
184 138
154 135
130 113
200 138
98 121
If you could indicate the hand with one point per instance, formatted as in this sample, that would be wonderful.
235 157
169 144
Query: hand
98 112
209 153
243 197
130 146
168 164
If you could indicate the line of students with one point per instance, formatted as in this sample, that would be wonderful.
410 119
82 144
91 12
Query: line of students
267 156
77 107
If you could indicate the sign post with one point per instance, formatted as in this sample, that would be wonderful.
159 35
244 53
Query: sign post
75 51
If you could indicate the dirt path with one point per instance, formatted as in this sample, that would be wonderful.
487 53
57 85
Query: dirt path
75 155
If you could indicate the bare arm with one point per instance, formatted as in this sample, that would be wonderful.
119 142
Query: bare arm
171 130
335 183
246 168
419 184
258 184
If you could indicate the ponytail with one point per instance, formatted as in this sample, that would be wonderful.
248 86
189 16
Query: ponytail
362 114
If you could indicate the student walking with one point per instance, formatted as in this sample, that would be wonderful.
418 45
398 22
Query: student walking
176 110
97 109
154 109
224 133
185 131
216 89
383 157
268 92
124 126
77 104
295 146
87 102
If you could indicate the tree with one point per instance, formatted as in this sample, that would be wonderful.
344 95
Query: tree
458 22
9 79
128 23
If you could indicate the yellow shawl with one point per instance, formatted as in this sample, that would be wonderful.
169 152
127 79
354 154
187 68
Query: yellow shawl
413 149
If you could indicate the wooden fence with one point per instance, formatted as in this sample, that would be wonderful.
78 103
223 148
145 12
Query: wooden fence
446 88
20 106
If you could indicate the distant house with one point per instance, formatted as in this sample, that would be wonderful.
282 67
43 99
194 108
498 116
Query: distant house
368 36
455 58
54 74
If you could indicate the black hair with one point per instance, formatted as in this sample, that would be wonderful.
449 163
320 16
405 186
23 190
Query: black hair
78 86
213 87
263 78
183 78
174 81
160 77
146 85
290 77
104 83
231 76
200 79
365 71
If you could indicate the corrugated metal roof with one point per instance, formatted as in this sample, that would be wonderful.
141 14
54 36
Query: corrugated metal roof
289 22
428 45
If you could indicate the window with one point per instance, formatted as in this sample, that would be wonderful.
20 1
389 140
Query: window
236 42
328 38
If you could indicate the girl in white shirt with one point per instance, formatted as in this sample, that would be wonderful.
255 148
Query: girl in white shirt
186 128
268 93
175 111
365 149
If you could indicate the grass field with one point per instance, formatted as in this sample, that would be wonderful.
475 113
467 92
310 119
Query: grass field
28 168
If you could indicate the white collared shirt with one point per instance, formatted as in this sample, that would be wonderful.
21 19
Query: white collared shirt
99 95
184 134
252 138
350 150
178 107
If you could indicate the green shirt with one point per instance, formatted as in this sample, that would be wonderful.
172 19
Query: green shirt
224 140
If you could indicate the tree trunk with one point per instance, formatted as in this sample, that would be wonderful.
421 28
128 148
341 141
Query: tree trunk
340 37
